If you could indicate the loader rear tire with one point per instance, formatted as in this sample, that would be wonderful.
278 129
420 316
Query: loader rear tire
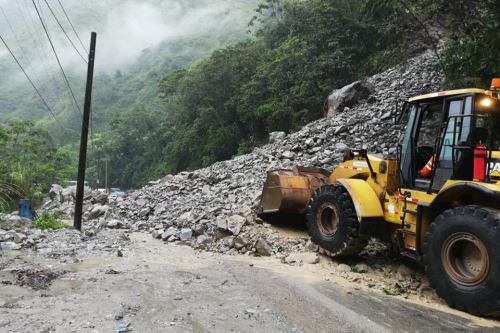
332 222
461 258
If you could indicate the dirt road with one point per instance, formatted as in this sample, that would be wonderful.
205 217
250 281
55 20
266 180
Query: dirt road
168 288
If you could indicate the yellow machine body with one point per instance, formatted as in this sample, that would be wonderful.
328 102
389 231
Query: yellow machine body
373 186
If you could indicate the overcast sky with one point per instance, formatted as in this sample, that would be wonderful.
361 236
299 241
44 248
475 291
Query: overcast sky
125 27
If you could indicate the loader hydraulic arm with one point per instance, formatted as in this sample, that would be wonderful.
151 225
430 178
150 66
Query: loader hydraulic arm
364 154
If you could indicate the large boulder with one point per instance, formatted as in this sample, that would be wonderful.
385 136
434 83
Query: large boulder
100 198
15 221
98 211
263 248
276 136
348 96
55 193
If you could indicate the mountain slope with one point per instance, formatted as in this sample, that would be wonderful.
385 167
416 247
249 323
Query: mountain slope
138 42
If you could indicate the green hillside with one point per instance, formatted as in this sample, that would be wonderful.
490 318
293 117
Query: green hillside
128 81
182 84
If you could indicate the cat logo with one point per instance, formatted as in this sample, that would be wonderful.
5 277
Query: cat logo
495 168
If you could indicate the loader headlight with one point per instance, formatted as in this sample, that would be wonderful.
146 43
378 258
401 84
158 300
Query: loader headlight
486 102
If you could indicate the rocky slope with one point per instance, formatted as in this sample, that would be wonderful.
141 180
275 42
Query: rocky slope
214 208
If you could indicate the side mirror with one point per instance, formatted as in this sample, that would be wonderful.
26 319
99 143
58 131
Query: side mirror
400 112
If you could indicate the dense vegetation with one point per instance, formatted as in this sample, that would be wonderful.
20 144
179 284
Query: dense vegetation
276 80
173 112
29 163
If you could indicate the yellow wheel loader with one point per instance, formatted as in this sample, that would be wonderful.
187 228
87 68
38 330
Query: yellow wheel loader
438 202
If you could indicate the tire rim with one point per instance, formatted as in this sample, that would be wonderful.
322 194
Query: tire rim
328 219
465 259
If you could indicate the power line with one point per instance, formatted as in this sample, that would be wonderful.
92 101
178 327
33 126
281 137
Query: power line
32 29
34 41
26 57
29 79
57 57
64 31
72 27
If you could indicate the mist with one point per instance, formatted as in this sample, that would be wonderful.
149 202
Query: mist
125 28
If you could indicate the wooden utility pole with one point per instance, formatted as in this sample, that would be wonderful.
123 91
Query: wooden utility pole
106 174
82 164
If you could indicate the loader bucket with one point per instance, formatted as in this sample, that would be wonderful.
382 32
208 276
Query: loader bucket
289 191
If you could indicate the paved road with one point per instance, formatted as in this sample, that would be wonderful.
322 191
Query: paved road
161 288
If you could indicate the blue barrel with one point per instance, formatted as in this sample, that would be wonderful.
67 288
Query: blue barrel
25 209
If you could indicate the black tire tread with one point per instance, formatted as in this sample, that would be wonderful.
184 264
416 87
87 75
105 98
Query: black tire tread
488 305
353 243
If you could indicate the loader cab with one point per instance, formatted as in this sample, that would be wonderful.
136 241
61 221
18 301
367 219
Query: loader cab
442 130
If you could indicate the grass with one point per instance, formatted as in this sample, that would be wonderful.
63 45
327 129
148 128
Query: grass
394 291
8 192
48 221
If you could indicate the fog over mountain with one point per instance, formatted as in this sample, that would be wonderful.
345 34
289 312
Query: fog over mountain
125 27
142 39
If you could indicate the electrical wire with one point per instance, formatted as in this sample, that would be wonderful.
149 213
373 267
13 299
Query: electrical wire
64 31
72 27
30 80
34 41
57 57
19 44
37 37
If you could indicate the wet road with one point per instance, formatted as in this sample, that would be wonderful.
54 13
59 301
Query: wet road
160 288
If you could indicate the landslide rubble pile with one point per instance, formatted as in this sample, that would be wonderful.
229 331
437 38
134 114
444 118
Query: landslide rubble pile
214 208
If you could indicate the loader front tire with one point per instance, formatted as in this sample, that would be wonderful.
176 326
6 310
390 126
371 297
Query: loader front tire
461 258
332 222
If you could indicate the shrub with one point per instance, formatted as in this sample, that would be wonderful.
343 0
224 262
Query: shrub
48 221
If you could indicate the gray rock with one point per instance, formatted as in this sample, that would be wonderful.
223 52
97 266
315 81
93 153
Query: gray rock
288 155
276 136
140 202
187 217
16 221
199 229
100 198
205 189
202 241
263 248
310 246
361 268
69 194
228 241
302 258
19 237
114 224
239 242
172 231
343 268
186 234
341 147
235 223
11 246
403 272
144 212
386 115
348 96
55 192
98 211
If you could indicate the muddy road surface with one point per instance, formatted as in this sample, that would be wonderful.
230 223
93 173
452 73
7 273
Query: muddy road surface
152 287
